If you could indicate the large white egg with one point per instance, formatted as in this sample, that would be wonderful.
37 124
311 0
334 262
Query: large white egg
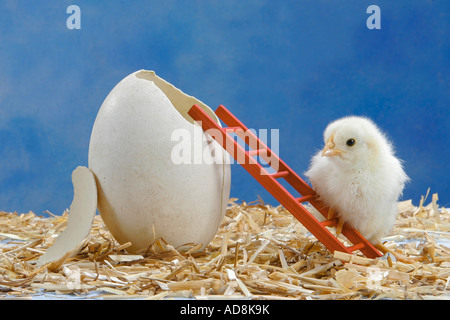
158 175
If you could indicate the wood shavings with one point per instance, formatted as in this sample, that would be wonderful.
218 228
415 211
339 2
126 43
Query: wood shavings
259 252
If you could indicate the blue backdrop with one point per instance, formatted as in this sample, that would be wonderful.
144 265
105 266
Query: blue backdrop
288 65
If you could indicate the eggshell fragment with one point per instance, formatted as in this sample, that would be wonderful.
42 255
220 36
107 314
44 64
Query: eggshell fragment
81 216
144 194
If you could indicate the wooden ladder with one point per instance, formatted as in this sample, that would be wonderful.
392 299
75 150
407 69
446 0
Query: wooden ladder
270 183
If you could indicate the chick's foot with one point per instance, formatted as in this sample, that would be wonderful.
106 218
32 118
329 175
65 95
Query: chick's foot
332 214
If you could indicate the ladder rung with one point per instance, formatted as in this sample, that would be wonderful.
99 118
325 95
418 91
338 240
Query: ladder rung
356 247
305 198
329 223
232 129
255 152
280 174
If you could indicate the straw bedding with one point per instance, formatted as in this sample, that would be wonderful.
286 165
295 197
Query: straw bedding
259 252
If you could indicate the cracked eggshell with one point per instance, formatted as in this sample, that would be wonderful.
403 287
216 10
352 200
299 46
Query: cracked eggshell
144 192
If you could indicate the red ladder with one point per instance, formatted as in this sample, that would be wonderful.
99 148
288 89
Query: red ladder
270 183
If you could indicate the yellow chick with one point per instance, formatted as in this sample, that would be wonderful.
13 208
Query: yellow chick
358 176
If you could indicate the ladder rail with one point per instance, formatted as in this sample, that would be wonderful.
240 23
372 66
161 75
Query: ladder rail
270 183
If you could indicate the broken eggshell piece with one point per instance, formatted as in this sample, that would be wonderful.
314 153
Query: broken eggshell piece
80 218
145 191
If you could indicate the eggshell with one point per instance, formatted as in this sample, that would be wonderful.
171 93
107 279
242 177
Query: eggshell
143 194
81 216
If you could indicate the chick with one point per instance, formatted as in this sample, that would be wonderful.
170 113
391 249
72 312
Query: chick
358 177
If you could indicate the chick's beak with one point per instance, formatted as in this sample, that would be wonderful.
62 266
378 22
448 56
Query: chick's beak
330 149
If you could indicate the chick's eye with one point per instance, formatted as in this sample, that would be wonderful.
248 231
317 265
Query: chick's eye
350 142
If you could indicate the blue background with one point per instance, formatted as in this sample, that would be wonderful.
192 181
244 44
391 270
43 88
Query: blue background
288 65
